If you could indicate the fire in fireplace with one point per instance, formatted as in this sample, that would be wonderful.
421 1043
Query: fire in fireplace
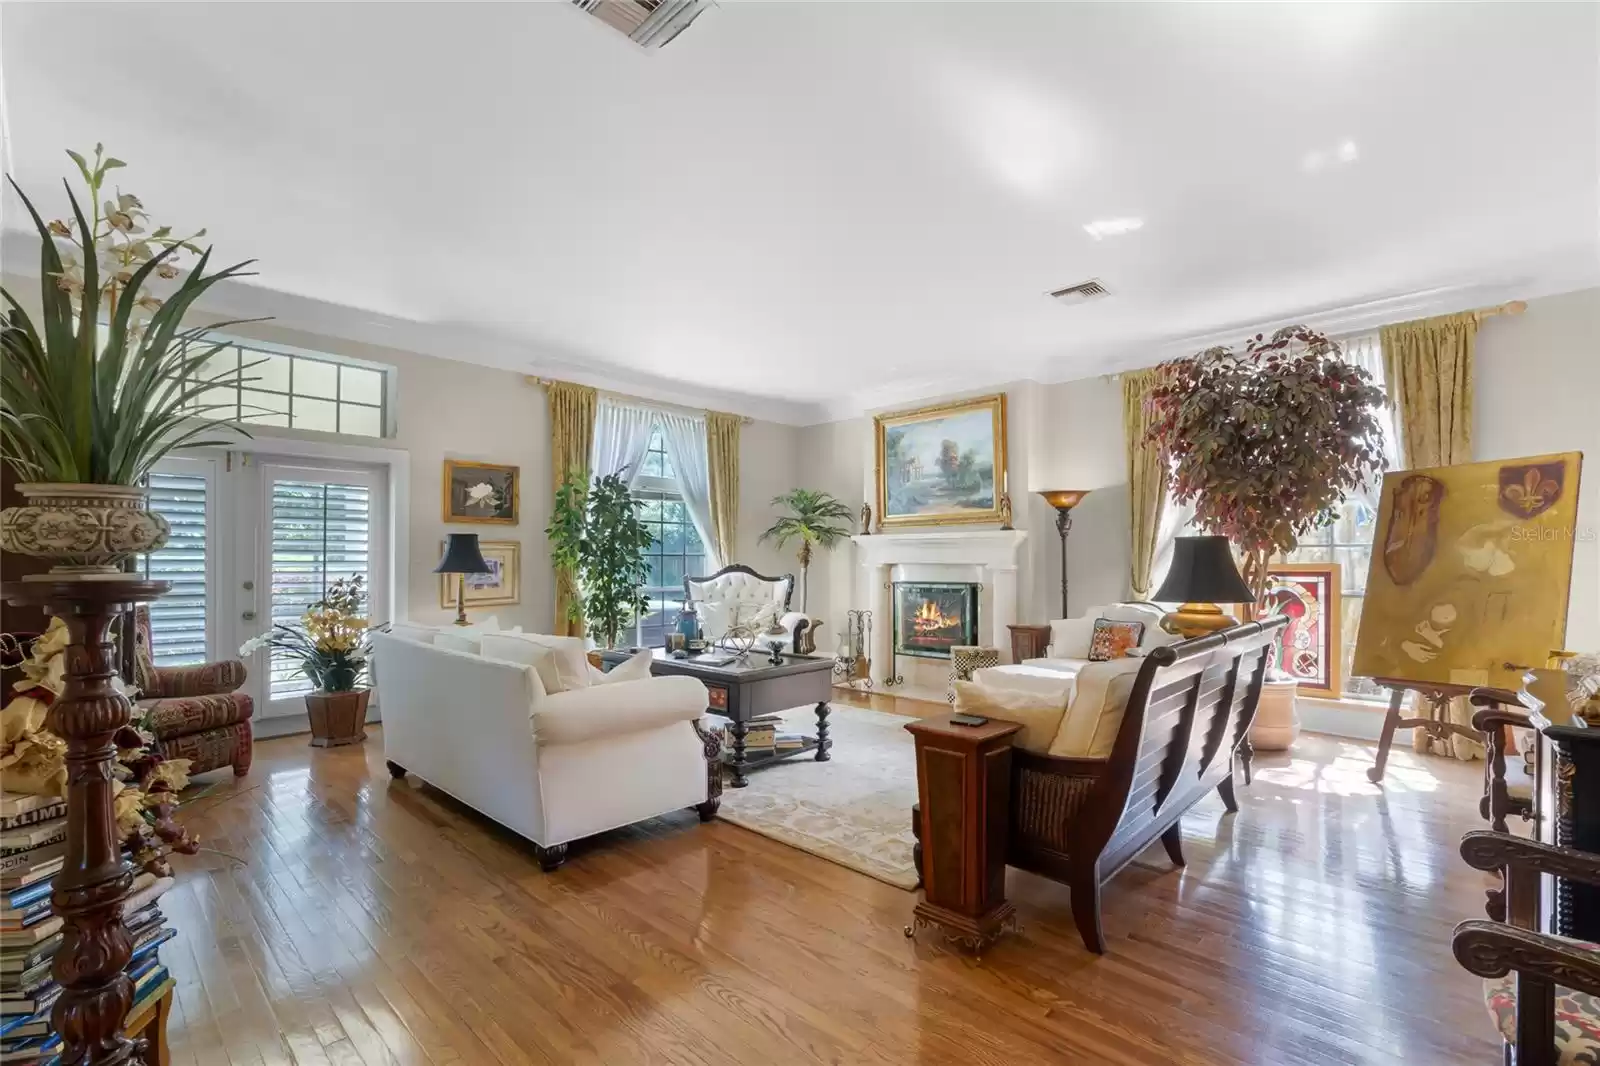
931 617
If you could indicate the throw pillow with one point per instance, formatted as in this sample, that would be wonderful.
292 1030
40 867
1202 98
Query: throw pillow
458 642
1069 638
1111 640
1039 714
571 656
518 649
637 668
715 618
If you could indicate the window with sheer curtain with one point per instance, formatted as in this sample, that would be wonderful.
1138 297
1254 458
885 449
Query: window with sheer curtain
675 552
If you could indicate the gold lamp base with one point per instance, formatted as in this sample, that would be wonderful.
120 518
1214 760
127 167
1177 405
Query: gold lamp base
1196 620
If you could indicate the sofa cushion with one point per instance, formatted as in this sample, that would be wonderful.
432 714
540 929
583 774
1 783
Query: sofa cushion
1039 713
461 640
1112 639
517 648
635 668
178 716
413 632
1577 1015
1100 695
1033 676
1069 637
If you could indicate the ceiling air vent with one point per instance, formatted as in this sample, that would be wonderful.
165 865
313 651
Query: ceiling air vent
1092 289
648 23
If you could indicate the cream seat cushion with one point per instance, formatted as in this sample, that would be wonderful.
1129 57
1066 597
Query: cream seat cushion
1039 714
1099 698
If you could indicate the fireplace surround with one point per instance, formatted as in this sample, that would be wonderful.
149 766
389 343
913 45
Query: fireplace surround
931 617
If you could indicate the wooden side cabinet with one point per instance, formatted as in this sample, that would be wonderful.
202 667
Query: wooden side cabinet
1028 642
964 788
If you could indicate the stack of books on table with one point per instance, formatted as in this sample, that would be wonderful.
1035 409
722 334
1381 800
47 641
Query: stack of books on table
32 844
33 831
762 736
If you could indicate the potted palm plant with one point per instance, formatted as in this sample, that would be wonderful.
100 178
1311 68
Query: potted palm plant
812 518
332 644
107 381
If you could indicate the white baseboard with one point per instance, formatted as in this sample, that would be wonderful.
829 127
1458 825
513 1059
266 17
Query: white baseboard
1339 719
287 725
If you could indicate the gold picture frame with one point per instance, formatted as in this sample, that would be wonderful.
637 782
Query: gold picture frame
917 450
461 496
501 588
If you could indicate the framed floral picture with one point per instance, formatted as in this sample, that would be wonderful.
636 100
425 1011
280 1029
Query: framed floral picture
1310 650
481 492
501 586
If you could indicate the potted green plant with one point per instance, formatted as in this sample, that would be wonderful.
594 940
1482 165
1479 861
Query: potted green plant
813 518
332 643
596 533
107 382
1267 444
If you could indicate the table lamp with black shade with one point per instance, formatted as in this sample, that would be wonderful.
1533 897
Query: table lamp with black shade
462 556
1203 575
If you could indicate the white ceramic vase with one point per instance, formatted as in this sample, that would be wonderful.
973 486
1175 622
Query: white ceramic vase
1276 725
85 530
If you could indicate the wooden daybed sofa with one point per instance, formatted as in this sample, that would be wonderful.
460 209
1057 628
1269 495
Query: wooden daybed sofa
1187 719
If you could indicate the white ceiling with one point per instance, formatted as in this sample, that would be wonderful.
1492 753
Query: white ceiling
813 207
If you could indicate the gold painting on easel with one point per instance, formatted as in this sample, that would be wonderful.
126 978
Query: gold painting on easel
1471 571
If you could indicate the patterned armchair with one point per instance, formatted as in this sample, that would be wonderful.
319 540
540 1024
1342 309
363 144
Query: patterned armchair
195 712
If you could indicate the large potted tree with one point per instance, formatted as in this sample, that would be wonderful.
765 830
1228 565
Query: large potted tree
814 519
1267 443
107 381
595 532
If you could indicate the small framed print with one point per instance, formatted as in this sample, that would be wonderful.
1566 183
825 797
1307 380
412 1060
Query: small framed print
1310 649
501 586
484 493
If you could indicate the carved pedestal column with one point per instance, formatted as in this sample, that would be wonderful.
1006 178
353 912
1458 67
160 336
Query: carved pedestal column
89 891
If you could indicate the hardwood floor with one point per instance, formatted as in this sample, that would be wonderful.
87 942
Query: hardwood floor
372 922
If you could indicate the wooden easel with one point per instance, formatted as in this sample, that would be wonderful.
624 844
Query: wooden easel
1437 695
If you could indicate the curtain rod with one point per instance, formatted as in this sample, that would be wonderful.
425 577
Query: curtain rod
744 420
1515 307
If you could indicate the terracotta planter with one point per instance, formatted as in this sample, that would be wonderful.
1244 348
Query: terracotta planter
338 717
86 530
1276 725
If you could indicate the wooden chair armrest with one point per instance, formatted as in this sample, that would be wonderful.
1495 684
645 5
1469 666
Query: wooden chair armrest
1491 852
1495 697
1492 949
1490 719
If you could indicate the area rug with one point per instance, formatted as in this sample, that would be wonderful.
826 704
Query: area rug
854 810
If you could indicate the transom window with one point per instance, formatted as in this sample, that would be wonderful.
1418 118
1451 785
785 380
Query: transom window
676 551
298 391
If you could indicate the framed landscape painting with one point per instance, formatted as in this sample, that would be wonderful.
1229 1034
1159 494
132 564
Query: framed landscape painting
942 465
1310 649
501 586
484 493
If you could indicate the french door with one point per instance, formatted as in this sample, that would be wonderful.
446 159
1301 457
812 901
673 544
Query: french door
258 538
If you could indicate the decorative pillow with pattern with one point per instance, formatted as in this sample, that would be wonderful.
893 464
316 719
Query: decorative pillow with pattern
1113 640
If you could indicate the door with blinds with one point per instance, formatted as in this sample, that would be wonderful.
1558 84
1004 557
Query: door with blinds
317 525
184 624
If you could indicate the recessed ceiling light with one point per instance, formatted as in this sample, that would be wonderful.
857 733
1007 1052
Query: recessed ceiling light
1113 227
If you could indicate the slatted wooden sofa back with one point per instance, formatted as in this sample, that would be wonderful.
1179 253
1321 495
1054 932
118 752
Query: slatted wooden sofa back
1188 716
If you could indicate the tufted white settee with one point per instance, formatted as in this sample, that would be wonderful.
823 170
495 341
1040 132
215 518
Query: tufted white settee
737 595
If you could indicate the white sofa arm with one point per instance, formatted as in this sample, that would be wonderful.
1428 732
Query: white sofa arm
790 620
618 708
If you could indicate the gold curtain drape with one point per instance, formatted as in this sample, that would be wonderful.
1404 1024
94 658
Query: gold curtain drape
572 409
1147 478
722 447
1428 373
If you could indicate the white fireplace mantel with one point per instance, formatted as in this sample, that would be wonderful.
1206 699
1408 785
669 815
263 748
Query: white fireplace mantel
991 555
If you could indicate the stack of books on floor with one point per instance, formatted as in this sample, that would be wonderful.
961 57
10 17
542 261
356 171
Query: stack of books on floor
33 833
32 847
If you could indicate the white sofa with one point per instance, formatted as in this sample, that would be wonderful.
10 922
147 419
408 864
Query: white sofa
1056 671
553 767
735 594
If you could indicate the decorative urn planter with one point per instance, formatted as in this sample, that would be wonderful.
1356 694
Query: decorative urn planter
1276 725
86 530
338 718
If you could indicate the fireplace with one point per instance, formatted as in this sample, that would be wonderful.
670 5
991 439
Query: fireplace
931 617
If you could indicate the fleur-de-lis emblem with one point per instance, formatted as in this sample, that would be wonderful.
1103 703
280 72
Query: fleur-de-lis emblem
1529 490
1534 491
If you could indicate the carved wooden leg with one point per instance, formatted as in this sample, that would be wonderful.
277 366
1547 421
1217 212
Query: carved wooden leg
550 858
1225 790
395 769
1085 888
823 743
1391 722
711 746
1246 754
916 836
708 809
737 767
1172 840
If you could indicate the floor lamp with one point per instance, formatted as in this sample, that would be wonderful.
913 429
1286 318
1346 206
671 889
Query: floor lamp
1064 500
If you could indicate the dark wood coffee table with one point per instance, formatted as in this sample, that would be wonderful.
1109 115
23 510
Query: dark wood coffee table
747 688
